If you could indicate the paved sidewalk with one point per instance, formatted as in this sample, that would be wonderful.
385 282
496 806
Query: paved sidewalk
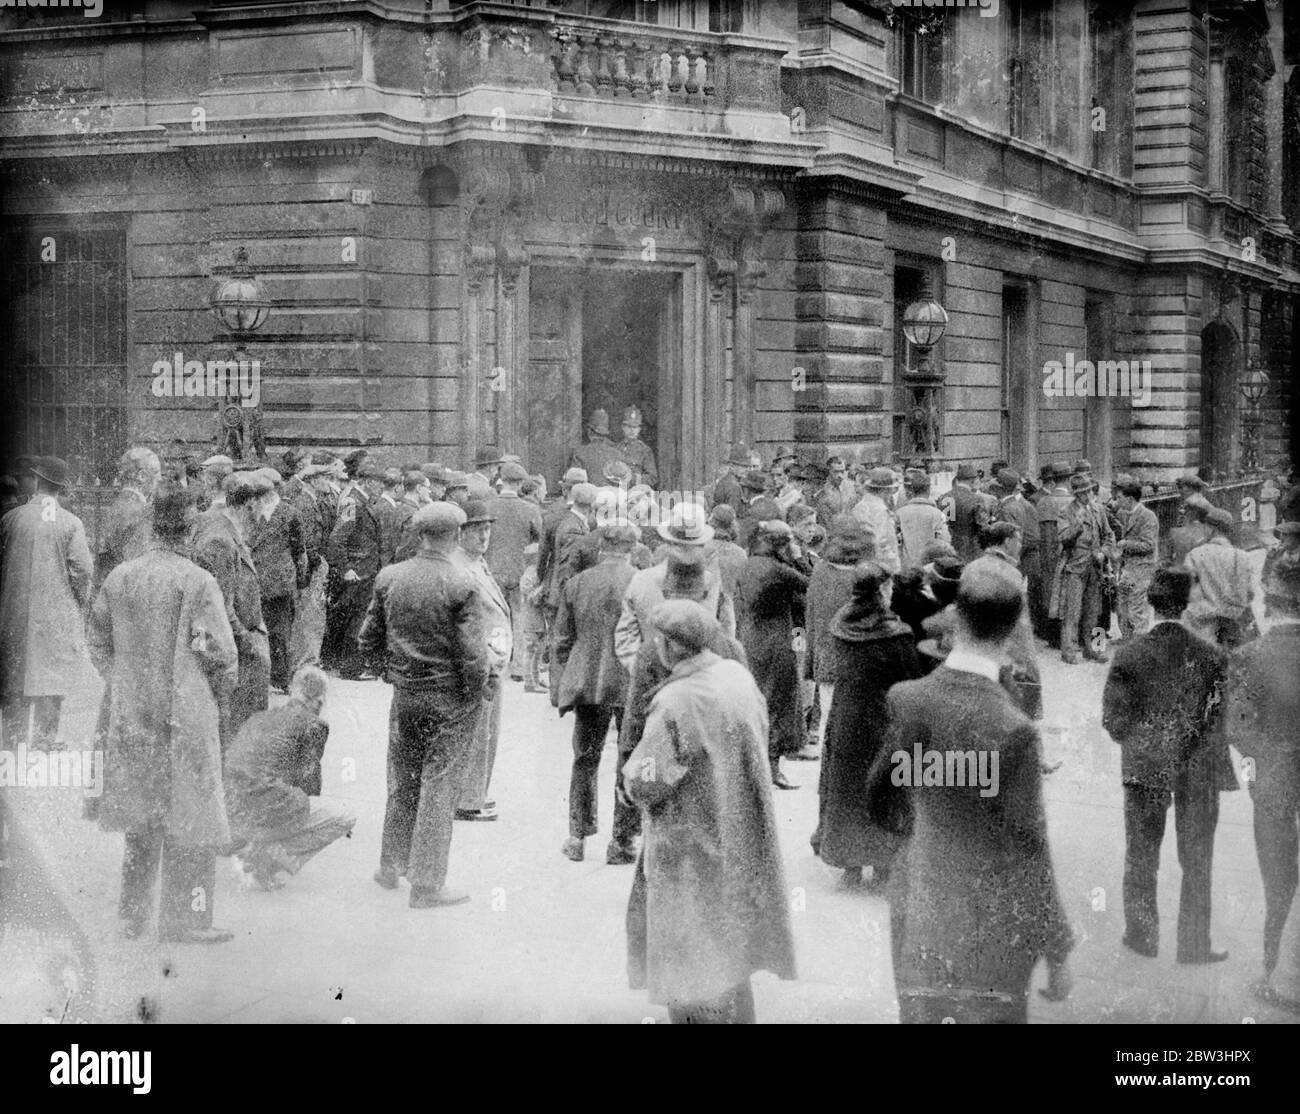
543 938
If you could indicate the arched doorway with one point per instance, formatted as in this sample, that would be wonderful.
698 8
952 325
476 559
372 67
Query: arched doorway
1219 359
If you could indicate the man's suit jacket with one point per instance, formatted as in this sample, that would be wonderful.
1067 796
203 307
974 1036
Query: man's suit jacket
552 516
1140 538
979 902
392 513
280 553
518 524
493 608
566 555
357 540
830 501
589 612
966 513
1163 703
1262 719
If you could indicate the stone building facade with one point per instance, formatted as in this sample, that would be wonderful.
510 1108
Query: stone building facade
476 222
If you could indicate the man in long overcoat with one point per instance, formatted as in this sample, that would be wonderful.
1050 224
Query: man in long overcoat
220 547
518 525
594 684
279 549
769 594
160 637
45 575
716 909
974 902
1162 704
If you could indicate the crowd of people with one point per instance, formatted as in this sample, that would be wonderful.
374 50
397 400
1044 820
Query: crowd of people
806 612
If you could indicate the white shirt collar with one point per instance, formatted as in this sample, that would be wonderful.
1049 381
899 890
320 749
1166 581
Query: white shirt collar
965 661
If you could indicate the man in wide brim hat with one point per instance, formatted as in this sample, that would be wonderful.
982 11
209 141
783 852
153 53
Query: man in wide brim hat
881 479
51 469
686 526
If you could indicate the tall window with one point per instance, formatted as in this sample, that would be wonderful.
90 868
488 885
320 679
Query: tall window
1013 382
63 313
920 61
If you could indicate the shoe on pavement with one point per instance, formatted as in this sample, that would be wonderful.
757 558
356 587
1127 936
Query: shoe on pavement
1070 659
779 779
620 854
1100 658
197 936
530 687
433 899
573 849
1204 957
387 877
1149 951
476 814
810 753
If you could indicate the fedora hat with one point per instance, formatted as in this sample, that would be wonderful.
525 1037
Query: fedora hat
686 525
754 480
739 456
1080 481
966 472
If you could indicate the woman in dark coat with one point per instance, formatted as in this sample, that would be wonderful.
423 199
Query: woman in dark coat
769 597
869 650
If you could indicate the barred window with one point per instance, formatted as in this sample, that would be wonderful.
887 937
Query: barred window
64 317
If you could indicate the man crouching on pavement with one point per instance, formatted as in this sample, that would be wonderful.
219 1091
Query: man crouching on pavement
715 909
272 770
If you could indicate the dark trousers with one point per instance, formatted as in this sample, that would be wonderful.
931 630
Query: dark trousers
278 615
735 1007
429 741
1080 607
1196 814
1277 846
990 1008
344 615
189 877
591 725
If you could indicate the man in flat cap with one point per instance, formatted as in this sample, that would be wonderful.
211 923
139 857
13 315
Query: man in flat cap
424 632
565 560
715 908
220 546
279 549
965 511
1191 530
599 449
475 534
518 525
594 682
758 506
1223 589
1086 544
45 585
1173 751
873 510
728 489
639 456
920 522
354 554
215 471
1263 709
1139 541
